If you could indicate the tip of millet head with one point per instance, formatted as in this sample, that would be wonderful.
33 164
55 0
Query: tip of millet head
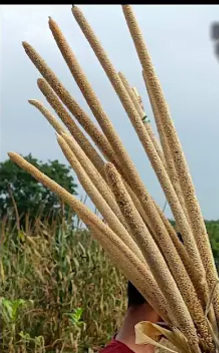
39 80
11 155
50 20
25 44
73 8
32 101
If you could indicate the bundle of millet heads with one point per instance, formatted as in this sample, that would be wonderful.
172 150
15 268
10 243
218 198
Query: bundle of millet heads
178 279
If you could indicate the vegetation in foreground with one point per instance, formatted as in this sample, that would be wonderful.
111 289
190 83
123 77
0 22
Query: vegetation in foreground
59 293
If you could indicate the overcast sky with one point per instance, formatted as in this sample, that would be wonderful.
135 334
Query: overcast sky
179 42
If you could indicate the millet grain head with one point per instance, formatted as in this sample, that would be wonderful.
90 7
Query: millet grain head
152 254
109 216
191 203
48 115
66 118
142 134
142 113
116 152
95 176
111 243
169 252
83 119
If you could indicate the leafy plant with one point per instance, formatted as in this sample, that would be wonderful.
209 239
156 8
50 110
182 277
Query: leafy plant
22 195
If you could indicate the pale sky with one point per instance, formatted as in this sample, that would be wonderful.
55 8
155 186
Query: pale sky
178 37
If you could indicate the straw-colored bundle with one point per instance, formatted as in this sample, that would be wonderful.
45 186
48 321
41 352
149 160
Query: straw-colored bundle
178 280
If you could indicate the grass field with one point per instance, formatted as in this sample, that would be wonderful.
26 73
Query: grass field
59 293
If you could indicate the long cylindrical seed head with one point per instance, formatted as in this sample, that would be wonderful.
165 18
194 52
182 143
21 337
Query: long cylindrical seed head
50 118
111 152
139 207
107 238
95 177
98 200
191 202
141 113
83 119
170 254
69 123
111 134
152 254
142 280
142 133
132 95
166 149
200 284
134 180
169 191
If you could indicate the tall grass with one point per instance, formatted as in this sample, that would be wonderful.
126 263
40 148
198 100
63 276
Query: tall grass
58 292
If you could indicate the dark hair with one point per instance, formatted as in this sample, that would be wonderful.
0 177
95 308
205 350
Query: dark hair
134 297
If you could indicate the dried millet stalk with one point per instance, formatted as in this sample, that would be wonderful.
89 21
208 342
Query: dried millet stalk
111 152
92 181
141 279
102 184
83 119
143 136
170 254
191 202
154 258
200 285
112 136
86 89
95 177
134 180
182 223
138 206
167 152
69 123
133 268
132 95
109 216
51 119
142 114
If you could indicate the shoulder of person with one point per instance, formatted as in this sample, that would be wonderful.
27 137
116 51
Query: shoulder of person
116 347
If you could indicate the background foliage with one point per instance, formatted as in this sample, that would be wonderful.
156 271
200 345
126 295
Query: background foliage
18 189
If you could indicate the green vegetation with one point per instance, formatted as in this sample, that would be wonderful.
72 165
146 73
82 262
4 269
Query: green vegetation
20 191
59 293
